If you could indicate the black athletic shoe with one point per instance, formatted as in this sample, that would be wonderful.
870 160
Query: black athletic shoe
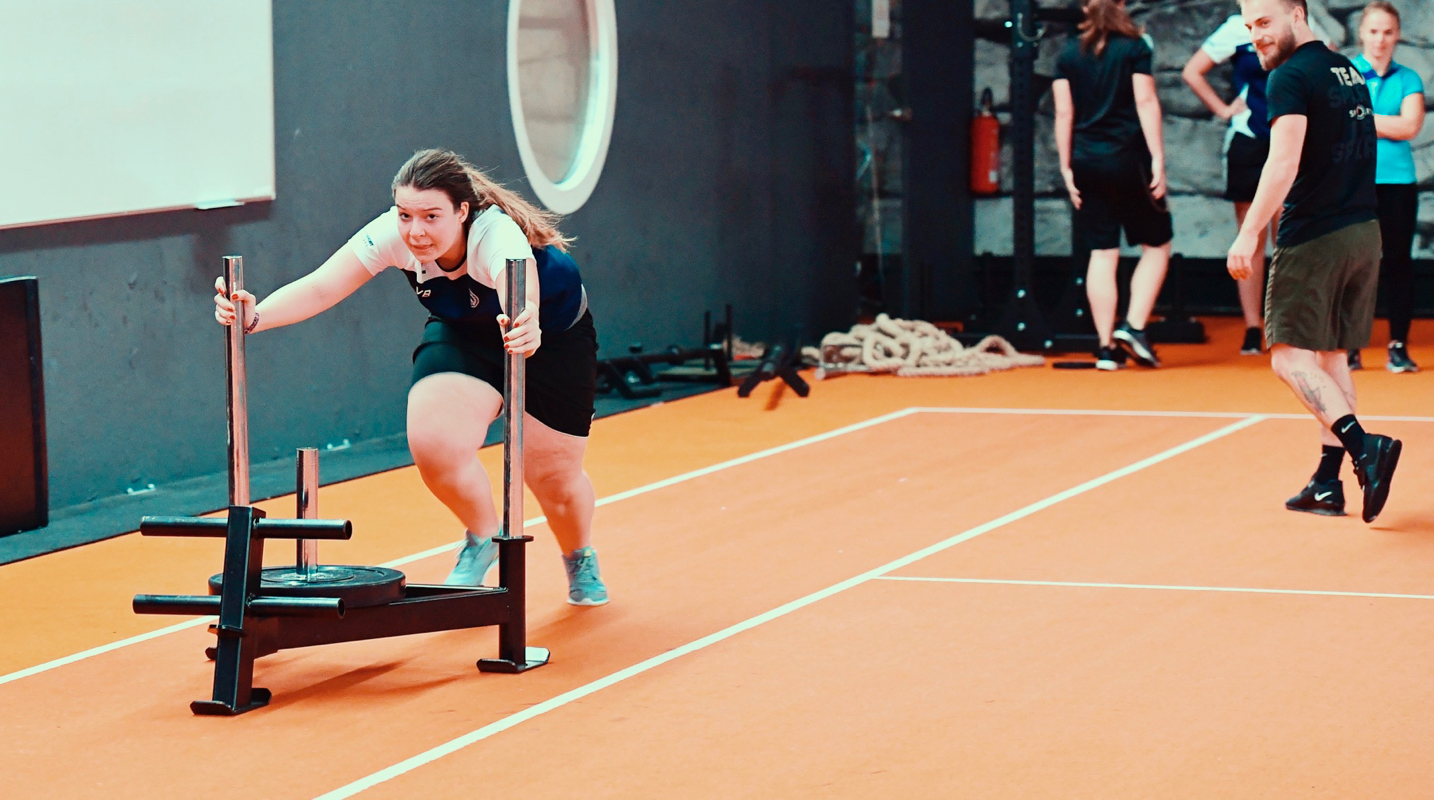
1399 360
1375 471
1356 361
1320 498
1254 341
1109 359
1137 344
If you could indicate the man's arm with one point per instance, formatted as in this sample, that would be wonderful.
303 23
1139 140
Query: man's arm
1287 141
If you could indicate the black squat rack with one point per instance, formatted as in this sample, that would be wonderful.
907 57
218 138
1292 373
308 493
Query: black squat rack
262 611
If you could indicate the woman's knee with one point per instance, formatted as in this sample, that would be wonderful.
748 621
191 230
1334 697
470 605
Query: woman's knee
561 484
437 462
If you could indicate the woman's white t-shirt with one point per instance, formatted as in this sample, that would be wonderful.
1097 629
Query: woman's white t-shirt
492 239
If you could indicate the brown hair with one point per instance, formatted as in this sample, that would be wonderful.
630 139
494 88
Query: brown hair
451 174
1103 18
1381 5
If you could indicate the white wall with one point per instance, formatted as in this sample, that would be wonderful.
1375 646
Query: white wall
112 107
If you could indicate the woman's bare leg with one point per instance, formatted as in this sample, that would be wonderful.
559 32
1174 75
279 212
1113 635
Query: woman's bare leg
448 418
1101 291
1145 283
553 468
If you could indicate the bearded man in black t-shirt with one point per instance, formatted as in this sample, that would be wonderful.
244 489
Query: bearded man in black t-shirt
1319 301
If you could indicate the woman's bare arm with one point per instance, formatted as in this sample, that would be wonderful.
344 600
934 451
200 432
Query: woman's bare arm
1147 106
320 290
1406 124
1065 127
1194 75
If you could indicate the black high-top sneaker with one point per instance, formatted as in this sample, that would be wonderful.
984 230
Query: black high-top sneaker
1399 360
1254 342
1109 359
1375 471
1320 498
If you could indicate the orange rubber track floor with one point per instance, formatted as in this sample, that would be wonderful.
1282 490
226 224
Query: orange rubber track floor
1028 584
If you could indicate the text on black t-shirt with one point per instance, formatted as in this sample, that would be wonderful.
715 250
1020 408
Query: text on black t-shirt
1334 187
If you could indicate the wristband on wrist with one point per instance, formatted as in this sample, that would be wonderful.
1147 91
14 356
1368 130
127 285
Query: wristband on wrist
254 323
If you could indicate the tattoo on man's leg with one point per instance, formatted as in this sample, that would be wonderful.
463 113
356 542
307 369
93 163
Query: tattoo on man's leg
1311 393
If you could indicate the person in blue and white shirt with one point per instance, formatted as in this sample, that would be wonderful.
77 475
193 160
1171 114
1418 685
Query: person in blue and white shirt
451 232
1398 94
1247 142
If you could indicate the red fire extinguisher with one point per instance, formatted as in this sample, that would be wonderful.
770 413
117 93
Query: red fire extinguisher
985 149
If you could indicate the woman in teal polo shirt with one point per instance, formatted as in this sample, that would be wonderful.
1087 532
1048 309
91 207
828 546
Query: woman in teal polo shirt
1398 95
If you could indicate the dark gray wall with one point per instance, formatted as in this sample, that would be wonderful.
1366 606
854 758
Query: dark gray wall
728 180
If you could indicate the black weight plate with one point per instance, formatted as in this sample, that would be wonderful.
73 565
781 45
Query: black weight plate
358 586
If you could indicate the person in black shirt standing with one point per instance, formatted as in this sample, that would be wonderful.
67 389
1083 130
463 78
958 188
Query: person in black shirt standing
1319 301
1108 134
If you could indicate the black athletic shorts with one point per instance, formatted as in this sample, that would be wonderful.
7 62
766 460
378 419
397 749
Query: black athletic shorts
561 375
1115 194
1244 162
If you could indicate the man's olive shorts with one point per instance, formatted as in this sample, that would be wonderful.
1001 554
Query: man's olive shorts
1320 294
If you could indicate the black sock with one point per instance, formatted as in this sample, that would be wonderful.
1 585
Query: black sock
1330 458
1350 434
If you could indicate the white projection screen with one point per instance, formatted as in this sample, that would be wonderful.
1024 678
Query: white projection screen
111 107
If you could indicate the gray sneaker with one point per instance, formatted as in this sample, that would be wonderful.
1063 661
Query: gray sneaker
585 586
1137 344
475 559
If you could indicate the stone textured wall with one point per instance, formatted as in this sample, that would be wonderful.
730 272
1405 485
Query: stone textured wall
1204 223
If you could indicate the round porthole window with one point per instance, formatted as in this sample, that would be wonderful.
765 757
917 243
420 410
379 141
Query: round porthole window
562 88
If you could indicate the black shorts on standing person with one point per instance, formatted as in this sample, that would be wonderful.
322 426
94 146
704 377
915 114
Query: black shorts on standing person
1108 151
1244 161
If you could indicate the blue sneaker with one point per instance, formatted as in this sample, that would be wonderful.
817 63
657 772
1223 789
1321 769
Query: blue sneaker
585 586
474 560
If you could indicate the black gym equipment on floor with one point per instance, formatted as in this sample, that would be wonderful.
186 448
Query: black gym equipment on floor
779 362
262 611
632 376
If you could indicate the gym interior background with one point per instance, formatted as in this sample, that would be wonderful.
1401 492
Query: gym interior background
728 181
1034 583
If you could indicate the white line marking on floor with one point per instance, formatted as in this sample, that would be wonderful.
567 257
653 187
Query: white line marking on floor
454 745
1229 589
1100 412
104 648
448 548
